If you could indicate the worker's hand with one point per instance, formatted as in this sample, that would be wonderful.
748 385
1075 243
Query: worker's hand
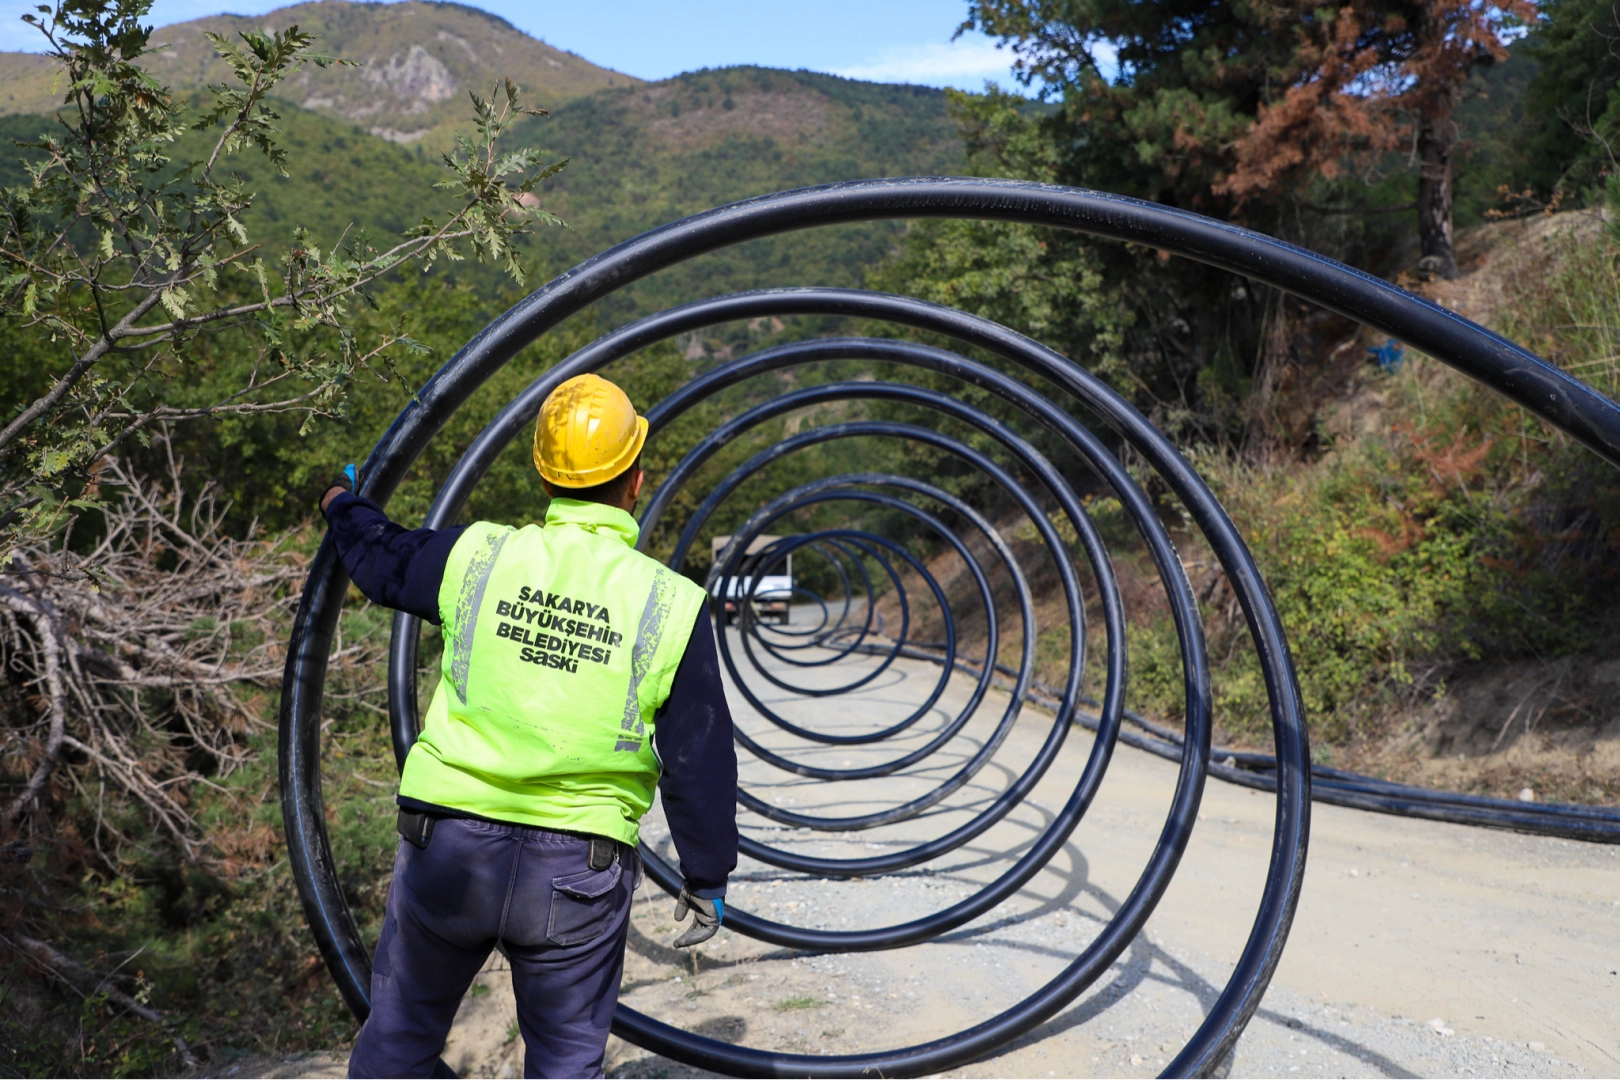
346 480
706 918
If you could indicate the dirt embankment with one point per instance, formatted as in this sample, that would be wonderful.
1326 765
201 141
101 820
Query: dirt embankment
1548 725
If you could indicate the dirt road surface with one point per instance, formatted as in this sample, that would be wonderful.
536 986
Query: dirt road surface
1420 949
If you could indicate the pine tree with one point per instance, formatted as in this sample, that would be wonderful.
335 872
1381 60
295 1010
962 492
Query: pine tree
1222 107
1378 76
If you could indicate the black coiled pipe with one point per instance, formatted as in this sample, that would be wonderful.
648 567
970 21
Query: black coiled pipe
1013 466
1338 787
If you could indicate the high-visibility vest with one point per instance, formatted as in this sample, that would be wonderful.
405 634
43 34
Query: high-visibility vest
560 645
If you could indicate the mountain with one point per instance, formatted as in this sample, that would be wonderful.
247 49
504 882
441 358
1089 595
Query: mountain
641 154
414 63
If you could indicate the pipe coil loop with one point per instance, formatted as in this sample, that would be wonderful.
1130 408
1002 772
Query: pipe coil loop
1025 446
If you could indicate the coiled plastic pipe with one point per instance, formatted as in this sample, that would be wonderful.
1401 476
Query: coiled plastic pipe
986 425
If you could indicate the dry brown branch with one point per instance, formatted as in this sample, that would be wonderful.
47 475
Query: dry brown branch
49 649
121 663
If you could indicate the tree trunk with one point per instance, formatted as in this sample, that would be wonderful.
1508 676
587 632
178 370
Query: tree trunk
1437 141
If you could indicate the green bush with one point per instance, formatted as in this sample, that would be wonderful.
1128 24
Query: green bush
1370 561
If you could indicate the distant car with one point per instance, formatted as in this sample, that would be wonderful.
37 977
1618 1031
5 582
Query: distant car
771 601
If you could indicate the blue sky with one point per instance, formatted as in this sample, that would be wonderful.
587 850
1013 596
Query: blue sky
881 40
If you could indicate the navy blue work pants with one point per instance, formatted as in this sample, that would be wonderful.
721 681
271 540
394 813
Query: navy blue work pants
561 924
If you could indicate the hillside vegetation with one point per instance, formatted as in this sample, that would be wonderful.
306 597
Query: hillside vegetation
639 157
649 155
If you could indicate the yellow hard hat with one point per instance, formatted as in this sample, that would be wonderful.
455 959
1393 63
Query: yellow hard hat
587 433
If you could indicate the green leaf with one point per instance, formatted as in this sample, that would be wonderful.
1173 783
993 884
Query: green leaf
174 299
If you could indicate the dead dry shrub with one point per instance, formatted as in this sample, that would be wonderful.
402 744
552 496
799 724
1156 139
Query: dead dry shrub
121 658
140 646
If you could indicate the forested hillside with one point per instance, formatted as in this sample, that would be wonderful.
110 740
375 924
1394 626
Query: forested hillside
655 153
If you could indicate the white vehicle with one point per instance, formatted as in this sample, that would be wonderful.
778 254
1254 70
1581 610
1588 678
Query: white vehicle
775 590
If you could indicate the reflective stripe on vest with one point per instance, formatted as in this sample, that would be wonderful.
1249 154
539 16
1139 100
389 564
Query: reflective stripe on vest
560 645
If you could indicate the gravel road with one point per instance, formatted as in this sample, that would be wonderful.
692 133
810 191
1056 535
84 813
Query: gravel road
1420 949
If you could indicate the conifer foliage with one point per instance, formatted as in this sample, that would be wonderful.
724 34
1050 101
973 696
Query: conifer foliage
1375 77
1221 106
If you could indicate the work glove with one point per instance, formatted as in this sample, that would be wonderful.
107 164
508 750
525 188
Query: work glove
348 480
706 918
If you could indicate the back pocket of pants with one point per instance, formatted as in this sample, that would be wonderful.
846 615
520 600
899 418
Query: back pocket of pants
582 905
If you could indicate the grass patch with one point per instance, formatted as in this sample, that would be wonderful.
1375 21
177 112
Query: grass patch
793 1004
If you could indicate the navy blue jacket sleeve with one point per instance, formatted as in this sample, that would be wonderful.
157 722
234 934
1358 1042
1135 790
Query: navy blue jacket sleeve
699 784
393 566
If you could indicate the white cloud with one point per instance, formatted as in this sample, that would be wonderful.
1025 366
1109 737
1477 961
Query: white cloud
964 63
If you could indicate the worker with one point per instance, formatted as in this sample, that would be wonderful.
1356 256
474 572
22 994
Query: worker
577 675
